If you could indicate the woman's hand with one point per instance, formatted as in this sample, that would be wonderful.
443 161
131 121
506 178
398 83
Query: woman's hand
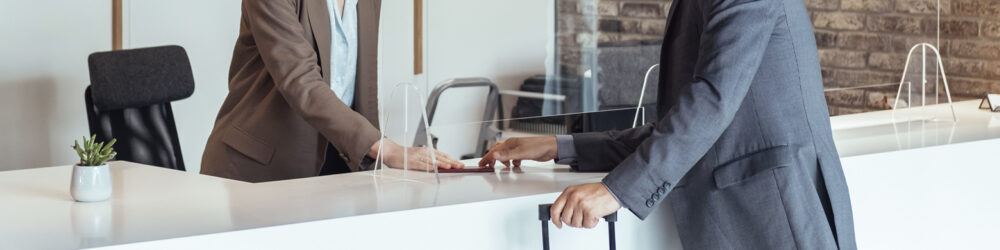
416 158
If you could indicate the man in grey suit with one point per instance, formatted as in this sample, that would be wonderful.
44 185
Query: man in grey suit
742 146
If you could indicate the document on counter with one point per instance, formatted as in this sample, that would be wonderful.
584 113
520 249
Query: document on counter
467 169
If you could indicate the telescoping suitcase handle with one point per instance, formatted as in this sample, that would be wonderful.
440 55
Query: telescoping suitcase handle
544 216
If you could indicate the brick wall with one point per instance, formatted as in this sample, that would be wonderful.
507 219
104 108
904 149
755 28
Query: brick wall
861 42
864 42
586 23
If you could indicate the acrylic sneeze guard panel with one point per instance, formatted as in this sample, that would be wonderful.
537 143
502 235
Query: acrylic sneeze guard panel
499 69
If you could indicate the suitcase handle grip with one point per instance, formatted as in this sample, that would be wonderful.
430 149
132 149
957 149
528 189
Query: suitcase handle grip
544 216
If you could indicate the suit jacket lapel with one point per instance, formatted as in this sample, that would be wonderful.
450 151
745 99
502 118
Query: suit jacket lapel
319 20
670 15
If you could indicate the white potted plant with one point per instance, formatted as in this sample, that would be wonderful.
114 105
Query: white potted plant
91 177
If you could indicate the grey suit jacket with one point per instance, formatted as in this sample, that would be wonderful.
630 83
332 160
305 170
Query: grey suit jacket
743 146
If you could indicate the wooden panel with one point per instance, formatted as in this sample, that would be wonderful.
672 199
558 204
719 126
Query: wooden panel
418 37
116 24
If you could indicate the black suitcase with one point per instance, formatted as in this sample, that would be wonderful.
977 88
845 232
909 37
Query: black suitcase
544 216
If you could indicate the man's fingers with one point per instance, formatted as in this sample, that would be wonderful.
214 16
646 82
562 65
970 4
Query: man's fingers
577 220
567 213
500 156
589 219
504 152
488 160
555 212
517 163
510 154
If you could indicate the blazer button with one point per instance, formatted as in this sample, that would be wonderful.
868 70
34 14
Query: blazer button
649 203
661 190
666 184
656 196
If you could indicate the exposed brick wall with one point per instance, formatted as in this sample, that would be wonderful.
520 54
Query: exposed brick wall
864 42
586 23
861 42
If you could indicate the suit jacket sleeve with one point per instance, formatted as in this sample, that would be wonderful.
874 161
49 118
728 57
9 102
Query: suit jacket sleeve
602 151
733 41
291 61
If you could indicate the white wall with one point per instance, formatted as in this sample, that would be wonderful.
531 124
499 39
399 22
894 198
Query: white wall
43 73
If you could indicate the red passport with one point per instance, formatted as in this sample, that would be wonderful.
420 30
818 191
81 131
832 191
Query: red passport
467 169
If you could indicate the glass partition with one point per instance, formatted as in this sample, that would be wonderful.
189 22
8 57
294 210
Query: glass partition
496 69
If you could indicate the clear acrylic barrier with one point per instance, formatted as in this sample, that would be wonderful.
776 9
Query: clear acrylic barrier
398 126
488 75
924 82
549 59
562 57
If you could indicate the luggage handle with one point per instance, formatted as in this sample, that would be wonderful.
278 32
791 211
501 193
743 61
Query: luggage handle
544 216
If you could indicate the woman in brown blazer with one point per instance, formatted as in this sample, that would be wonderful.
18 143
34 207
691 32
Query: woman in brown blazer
281 119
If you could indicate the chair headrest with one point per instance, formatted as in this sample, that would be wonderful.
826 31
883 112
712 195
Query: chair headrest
140 77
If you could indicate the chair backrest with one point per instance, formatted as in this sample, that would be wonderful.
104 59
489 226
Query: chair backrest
129 99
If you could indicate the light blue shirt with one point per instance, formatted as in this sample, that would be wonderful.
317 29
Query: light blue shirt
344 51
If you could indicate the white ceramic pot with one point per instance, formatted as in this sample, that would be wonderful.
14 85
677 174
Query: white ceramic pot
90 184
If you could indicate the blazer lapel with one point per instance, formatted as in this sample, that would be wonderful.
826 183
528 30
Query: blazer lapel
319 20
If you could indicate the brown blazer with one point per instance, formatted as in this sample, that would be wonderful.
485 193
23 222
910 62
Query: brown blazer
280 112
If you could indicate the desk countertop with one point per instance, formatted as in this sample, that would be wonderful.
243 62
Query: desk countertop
877 132
151 203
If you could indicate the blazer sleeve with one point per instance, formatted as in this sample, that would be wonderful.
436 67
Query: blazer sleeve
291 61
602 151
735 35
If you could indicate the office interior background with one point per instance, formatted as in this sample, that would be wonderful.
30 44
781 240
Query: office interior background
863 46
577 45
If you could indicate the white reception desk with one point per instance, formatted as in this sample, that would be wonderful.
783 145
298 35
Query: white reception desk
914 185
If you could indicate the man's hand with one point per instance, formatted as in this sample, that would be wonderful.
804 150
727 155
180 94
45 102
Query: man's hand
418 158
583 205
512 151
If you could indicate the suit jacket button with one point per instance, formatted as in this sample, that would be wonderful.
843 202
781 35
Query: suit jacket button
649 203
666 184
656 196
661 190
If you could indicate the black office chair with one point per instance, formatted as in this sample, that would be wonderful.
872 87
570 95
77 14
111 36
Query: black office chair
129 99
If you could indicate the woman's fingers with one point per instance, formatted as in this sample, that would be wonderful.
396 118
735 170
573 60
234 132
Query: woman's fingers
420 158
446 162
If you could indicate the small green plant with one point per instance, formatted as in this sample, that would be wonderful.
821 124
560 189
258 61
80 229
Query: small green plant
92 153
